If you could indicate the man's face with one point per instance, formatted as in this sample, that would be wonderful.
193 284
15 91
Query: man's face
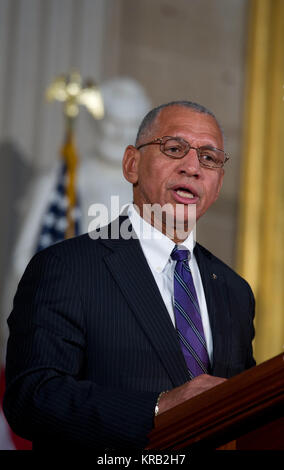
161 179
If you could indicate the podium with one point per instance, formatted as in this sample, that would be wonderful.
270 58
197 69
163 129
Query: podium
243 413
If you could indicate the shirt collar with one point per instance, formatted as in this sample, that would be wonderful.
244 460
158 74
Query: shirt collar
156 246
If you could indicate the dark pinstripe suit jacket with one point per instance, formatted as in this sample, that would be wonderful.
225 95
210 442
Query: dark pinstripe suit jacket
91 343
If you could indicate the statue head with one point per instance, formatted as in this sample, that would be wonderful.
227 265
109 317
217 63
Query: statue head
125 103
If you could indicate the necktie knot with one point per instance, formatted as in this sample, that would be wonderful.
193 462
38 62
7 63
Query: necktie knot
179 255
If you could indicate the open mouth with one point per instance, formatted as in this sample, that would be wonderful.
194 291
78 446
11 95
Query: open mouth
183 192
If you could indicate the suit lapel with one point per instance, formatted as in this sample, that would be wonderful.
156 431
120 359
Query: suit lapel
217 301
130 270
134 277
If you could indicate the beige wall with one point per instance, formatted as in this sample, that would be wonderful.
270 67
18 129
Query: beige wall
194 50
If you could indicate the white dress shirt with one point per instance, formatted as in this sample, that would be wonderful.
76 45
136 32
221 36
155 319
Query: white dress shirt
157 249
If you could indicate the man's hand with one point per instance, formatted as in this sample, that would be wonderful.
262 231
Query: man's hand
188 390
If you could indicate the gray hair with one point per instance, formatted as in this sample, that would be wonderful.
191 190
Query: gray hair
150 118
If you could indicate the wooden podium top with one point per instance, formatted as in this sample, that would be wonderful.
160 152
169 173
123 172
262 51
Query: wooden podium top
243 404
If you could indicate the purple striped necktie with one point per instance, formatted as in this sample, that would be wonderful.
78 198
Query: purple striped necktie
188 319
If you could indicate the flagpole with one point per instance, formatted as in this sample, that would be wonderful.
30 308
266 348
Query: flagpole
69 90
71 160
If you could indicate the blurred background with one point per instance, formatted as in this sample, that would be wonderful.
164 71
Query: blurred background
225 54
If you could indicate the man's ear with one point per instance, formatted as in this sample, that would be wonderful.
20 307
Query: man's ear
130 164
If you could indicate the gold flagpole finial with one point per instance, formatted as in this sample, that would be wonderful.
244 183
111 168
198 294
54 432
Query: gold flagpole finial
69 90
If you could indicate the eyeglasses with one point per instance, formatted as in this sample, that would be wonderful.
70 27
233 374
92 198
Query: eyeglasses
176 147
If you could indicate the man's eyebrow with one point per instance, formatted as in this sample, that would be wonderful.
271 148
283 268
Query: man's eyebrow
208 146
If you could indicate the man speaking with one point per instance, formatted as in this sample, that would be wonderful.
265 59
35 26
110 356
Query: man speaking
107 333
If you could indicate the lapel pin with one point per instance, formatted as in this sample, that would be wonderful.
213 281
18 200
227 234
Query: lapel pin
214 276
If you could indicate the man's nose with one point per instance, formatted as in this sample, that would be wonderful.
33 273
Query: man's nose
190 164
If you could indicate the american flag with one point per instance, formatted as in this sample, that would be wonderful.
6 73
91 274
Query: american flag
55 220
62 217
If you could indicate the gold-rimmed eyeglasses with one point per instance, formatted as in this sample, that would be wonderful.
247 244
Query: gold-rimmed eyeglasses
176 147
